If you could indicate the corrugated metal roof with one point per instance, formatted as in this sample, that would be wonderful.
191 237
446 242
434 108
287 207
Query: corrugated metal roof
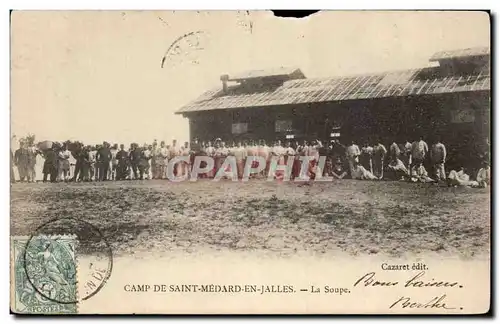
255 74
465 52
391 84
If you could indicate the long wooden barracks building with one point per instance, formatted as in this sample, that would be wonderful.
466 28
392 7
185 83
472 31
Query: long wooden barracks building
450 99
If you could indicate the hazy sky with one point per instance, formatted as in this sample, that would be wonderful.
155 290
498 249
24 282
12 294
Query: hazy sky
96 75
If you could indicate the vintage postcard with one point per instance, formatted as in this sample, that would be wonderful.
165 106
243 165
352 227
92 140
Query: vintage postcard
239 162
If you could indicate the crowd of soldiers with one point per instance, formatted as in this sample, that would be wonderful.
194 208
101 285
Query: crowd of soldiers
402 161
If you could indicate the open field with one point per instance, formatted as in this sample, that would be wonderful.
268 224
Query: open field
347 216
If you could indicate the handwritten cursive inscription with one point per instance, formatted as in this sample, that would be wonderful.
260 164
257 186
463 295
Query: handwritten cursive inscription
435 302
413 282
369 280
417 281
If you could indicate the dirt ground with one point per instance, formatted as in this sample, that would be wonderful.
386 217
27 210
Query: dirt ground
347 216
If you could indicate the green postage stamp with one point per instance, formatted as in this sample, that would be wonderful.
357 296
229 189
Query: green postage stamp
44 274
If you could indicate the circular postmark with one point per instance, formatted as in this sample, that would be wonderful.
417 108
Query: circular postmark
185 48
67 260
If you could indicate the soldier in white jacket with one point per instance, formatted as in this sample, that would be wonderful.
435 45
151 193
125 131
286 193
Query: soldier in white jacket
379 153
438 158
484 175
352 153
419 150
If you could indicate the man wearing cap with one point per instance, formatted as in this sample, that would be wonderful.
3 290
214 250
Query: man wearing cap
50 164
122 159
135 159
103 160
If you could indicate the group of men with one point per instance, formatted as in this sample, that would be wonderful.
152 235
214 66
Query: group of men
56 165
104 162
24 159
109 162
407 161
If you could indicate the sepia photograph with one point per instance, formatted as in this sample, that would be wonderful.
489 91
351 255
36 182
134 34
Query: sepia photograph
241 162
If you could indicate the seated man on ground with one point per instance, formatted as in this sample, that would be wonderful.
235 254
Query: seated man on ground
360 173
484 175
460 178
338 169
398 169
419 174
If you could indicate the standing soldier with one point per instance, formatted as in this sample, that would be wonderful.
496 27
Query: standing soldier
103 159
122 159
130 173
92 163
251 153
114 162
185 166
135 159
203 164
85 156
172 153
265 152
161 161
365 158
221 152
210 151
146 161
33 153
394 152
278 151
313 151
302 150
195 151
353 153
218 156
290 155
22 161
77 154
50 164
154 152
419 150
438 158
379 153
64 166
240 153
